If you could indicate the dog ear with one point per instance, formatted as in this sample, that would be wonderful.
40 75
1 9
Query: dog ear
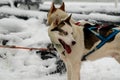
56 21
52 9
62 7
67 20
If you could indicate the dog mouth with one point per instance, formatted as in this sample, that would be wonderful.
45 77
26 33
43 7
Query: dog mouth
65 46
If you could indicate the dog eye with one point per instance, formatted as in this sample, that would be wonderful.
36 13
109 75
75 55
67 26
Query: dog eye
65 33
61 33
72 33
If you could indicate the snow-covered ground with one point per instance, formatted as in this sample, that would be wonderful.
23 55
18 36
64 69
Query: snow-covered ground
27 65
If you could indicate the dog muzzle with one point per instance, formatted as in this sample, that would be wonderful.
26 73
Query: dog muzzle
65 46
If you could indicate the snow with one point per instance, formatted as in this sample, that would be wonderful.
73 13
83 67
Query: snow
93 11
4 1
91 6
19 12
27 65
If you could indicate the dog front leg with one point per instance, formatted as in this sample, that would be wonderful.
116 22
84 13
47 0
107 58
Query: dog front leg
68 67
75 69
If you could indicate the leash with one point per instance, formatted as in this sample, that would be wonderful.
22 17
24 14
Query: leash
26 48
103 40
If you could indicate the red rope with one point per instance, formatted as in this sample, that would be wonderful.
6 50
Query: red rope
20 47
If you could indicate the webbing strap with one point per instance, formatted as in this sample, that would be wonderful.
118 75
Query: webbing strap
103 40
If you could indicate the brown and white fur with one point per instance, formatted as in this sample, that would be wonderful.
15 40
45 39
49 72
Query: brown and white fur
70 42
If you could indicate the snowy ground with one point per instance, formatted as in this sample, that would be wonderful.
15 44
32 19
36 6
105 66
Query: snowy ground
27 65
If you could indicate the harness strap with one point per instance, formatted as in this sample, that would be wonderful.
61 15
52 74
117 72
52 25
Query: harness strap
103 41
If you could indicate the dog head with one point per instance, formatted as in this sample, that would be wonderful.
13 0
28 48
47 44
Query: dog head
61 33
53 12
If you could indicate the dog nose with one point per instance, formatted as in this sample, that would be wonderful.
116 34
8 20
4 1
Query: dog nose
73 42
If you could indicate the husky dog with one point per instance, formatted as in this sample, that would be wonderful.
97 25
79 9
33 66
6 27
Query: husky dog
73 42
68 41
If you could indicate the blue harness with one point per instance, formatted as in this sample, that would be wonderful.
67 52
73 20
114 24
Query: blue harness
103 40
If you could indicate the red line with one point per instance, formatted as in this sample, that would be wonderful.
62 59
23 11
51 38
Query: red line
21 47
